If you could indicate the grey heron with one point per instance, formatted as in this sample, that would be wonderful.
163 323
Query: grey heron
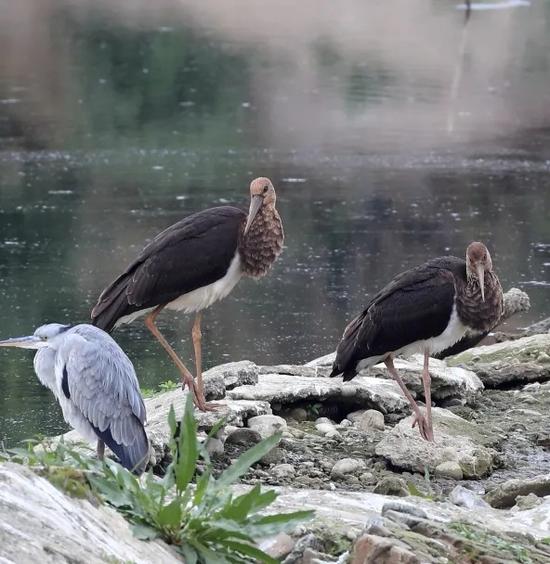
96 386
192 264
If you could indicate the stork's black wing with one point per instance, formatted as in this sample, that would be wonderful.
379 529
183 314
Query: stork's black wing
190 254
415 305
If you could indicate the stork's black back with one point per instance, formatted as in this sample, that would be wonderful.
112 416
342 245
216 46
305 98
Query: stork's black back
416 305
190 254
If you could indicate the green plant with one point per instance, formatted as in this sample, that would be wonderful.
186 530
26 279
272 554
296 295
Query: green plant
204 520
169 385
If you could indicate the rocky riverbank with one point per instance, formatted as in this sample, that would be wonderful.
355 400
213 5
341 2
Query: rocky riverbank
481 492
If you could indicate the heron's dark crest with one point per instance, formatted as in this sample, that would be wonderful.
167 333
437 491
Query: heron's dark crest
262 237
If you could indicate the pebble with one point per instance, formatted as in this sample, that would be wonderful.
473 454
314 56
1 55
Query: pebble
244 437
370 420
333 434
355 415
391 485
298 414
323 420
214 447
345 423
347 466
463 497
450 469
324 428
267 425
274 456
529 501
283 471
367 478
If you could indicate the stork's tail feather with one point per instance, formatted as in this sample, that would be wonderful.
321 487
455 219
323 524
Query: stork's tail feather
133 457
111 306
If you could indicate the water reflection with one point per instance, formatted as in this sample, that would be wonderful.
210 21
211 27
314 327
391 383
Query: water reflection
122 122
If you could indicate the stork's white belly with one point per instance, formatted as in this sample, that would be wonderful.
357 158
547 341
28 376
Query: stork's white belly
204 297
454 331
200 298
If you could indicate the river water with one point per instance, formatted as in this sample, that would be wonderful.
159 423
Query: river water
392 133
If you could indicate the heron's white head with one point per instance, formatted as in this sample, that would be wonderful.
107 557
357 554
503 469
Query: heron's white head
478 262
262 193
44 336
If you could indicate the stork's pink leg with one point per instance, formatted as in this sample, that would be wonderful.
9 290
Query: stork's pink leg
427 382
187 377
197 345
418 417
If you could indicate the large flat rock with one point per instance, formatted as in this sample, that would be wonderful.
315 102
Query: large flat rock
357 508
383 395
447 381
39 523
456 439
511 362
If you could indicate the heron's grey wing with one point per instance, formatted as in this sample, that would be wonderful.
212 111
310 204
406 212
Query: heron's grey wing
102 384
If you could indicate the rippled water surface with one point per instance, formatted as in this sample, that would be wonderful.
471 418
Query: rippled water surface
391 135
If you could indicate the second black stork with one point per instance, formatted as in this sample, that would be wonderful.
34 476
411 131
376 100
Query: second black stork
423 310
192 264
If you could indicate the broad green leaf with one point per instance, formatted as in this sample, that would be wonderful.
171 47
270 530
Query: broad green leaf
187 451
250 550
262 526
170 515
202 485
144 532
208 554
189 553
246 460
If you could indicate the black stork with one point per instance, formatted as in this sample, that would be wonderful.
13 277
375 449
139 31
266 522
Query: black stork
192 264
425 309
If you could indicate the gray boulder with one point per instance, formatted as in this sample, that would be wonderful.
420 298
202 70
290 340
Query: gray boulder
505 494
267 425
39 523
285 389
455 438
511 362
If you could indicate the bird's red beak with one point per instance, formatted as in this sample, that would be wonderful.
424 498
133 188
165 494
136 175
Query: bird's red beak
255 205
481 278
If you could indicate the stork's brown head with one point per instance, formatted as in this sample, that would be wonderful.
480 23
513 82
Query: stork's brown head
262 193
478 262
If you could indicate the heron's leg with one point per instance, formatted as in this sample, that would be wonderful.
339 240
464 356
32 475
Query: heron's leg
427 381
187 377
197 345
100 449
419 418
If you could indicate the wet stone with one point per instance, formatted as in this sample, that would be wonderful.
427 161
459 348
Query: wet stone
392 485
267 425
449 469
243 437
370 420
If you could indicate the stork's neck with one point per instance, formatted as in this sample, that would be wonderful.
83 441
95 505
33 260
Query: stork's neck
472 310
263 242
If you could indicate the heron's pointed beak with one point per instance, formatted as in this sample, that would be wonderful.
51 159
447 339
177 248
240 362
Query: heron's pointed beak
30 342
481 277
255 205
